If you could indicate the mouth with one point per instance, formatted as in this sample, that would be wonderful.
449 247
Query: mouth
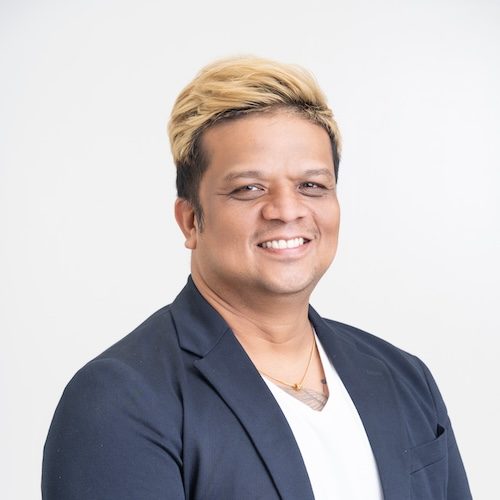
284 244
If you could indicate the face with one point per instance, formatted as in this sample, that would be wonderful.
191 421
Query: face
271 215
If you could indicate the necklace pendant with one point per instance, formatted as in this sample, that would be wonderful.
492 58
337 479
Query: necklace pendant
297 387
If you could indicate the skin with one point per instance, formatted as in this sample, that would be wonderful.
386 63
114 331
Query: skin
269 177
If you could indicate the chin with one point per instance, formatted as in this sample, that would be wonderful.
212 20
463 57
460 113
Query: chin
290 285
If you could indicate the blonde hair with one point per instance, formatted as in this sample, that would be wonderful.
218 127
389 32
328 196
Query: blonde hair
231 88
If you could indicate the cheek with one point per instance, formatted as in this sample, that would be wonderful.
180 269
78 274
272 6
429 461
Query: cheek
226 235
336 223
329 220
233 223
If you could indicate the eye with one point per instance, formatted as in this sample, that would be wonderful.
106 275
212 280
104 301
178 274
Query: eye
250 187
247 192
310 188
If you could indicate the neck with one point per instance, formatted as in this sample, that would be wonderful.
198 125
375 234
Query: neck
267 323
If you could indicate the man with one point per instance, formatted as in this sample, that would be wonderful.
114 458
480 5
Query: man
239 389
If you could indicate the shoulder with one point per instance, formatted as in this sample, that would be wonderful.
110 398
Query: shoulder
138 373
409 373
370 343
150 350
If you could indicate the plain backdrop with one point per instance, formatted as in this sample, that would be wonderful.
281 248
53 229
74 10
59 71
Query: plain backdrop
89 247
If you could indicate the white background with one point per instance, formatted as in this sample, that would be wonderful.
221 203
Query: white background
89 247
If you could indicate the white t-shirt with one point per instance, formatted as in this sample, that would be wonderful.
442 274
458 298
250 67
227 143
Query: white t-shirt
333 442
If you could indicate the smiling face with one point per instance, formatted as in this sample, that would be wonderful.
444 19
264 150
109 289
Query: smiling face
271 215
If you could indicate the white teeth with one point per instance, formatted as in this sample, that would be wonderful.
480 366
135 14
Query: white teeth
282 244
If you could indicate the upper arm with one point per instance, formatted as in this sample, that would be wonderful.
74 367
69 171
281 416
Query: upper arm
112 436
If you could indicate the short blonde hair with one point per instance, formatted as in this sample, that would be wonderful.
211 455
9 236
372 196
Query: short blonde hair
231 88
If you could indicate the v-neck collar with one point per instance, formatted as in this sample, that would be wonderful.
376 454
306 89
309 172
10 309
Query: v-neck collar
282 395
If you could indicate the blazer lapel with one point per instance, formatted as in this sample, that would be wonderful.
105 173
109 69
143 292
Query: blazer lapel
228 369
371 387
234 377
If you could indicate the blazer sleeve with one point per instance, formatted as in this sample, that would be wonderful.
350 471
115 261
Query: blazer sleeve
108 439
458 486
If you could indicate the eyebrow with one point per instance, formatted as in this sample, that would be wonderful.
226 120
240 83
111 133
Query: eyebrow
259 174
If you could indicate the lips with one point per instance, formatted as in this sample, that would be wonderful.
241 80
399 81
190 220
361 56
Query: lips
281 244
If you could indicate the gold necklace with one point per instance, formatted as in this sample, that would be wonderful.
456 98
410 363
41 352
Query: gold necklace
298 386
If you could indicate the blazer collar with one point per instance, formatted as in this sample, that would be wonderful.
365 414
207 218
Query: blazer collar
198 324
222 361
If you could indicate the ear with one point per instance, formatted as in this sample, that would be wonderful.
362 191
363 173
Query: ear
184 215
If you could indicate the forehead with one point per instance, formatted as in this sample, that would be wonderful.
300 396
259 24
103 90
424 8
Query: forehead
267 140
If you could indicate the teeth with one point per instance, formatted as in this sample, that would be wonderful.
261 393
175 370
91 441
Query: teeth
281 244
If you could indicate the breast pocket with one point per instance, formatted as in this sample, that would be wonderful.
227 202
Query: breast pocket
429 468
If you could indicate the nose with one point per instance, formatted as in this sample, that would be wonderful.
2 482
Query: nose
285 205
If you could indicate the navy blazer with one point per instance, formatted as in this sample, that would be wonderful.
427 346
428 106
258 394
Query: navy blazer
177 410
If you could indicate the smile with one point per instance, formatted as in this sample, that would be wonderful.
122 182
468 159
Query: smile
282 244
